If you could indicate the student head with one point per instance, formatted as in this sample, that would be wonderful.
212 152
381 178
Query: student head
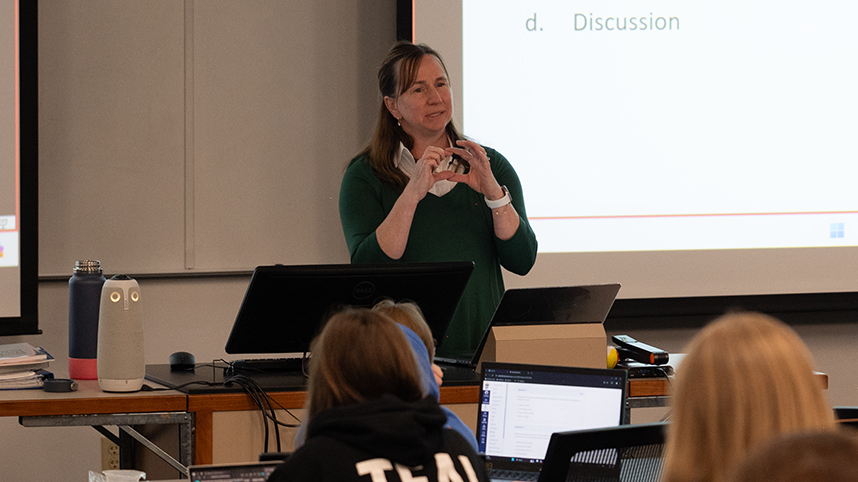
746 379
410 315
360 355
830 456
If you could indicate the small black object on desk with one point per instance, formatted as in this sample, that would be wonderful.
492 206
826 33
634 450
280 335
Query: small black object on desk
628 347
59 385
182 360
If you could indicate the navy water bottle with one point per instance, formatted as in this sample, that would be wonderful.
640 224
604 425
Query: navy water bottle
84 300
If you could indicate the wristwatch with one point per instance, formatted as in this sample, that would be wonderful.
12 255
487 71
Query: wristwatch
506 199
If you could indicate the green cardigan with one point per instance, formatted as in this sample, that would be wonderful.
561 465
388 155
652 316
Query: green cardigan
453 227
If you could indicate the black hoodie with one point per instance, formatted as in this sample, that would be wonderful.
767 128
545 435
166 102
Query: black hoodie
379 440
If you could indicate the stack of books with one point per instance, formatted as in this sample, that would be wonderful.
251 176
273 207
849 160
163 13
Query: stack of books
23 366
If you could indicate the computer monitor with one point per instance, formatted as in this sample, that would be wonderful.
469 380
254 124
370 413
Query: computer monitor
285 306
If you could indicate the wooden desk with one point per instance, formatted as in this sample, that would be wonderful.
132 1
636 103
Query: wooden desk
88 400
89 406
36 408
204 407
660 387
209 405
655 392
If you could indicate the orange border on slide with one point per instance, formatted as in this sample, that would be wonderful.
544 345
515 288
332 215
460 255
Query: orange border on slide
17 120
643 216
17 123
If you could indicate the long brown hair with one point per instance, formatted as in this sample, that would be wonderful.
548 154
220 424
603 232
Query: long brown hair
396 74
360 355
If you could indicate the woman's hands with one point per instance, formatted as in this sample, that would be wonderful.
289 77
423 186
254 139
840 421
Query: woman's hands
424 176
480 177
392 233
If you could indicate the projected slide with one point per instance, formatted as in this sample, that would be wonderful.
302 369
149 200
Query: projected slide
663 124
9 146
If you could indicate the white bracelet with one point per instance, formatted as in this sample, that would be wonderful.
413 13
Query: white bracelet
506 199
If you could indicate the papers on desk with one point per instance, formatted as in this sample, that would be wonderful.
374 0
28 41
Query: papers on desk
27 379
21 353
22 366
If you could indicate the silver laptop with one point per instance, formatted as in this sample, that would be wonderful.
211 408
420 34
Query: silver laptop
522 405
239 472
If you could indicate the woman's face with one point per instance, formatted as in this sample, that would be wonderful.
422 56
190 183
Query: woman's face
426 107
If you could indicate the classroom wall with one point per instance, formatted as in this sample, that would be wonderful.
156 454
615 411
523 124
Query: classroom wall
189 136
115 87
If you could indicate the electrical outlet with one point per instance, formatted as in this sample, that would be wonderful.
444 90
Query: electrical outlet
109 455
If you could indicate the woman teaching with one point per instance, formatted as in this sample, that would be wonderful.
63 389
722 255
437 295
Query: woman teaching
421 192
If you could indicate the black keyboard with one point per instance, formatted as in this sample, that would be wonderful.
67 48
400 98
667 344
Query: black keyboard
270 365
524 475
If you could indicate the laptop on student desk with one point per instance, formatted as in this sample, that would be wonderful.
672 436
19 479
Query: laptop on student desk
239 472
543 306
285 306
522 405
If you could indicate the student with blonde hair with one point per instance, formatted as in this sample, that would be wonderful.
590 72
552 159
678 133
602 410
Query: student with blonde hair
367 416
410 318
747 378
830 456
408 314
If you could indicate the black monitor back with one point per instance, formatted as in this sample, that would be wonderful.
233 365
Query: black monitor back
285 306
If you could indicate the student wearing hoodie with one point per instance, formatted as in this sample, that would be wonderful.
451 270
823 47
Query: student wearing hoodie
413 324
368 418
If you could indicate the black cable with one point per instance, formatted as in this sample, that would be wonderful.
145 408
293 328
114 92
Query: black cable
305 361
147 388
287 411
246 384
266 406
230 369
256 393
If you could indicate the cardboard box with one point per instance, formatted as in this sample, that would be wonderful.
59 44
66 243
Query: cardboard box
579 344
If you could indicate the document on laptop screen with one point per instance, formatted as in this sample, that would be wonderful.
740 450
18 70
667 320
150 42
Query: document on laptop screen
518 416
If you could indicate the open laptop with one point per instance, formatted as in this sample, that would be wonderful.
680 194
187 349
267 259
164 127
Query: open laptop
541 306
285 306
240 472
627 452
521 405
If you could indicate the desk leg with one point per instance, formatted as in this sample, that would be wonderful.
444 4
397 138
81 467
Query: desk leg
203 437
127 451
124 421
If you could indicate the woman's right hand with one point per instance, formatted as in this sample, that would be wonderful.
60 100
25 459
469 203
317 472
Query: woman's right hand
424 176
392 233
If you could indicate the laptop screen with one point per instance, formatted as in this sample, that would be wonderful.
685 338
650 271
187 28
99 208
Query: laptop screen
545 306
522 405
242 472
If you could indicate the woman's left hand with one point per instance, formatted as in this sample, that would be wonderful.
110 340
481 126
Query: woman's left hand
480 177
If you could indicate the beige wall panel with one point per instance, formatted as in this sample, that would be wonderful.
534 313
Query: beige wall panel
111 182
284 96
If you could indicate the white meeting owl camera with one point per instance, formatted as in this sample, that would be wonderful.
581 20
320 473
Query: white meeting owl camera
121 367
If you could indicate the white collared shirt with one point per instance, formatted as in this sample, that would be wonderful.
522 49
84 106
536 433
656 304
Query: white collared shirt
406 163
